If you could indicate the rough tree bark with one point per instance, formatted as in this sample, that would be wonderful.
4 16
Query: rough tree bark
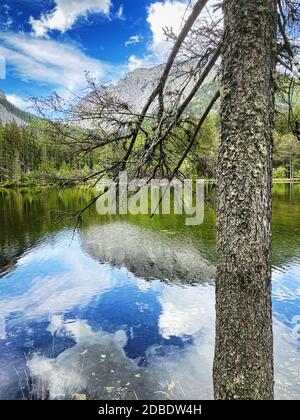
243 367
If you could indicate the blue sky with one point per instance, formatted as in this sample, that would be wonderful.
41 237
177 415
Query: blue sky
48 44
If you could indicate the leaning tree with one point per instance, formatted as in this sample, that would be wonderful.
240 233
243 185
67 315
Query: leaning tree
250 48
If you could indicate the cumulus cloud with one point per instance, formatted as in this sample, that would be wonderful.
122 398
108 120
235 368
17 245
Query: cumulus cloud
66 13
161 14
61 65
135 62
170 14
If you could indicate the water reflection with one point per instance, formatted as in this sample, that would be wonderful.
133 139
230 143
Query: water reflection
148 254
126 309
60 305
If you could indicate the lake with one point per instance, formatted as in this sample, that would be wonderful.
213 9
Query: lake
124 308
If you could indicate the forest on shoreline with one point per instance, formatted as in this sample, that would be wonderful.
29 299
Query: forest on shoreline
30 156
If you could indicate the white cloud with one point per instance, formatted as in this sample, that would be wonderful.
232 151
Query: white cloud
6 19
161 14
65 14
135 62
55 294
7 25
45 61
6 7
17 101
120 13
175 320
135 39
170 14
2 67
78 369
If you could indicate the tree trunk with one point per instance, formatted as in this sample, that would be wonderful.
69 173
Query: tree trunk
243 367
292 169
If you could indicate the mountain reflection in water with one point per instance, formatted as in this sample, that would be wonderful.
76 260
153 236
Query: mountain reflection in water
125 310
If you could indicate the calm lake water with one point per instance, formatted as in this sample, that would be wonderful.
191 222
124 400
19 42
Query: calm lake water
125 308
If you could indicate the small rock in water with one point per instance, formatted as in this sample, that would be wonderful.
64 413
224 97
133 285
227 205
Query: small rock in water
109 389
79 397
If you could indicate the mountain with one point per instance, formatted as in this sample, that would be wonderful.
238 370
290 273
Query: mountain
9 112
136 87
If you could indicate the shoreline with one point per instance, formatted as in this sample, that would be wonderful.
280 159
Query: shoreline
207 181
